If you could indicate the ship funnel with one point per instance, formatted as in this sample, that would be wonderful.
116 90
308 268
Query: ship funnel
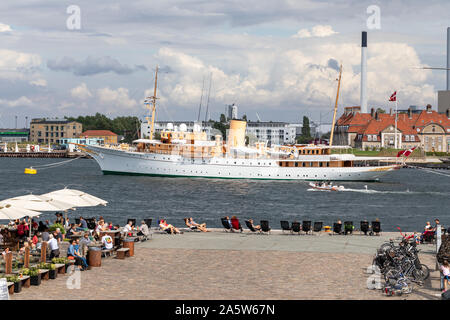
364 72
236 134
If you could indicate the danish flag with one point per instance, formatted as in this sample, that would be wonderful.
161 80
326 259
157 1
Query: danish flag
405 153
393 97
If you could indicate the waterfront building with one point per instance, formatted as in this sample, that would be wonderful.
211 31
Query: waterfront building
107 136
71 143
186 126
426 129
274 133
52 130
14 135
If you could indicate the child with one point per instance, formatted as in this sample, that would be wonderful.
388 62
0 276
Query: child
445 269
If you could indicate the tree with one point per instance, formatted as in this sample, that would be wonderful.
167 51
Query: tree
244 117
379 110
306 130
222 118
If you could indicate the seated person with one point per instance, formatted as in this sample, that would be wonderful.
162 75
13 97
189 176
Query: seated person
111 226
85 241
128 228
107 242
235 224
72 231
428 233
200 226
143 230
58 235
100 227
82 225
74 252
168 227
257 227
45 236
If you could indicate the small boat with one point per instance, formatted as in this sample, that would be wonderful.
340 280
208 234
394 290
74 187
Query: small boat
326 187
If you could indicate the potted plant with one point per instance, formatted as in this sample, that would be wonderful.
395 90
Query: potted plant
35 276
52 272
17 283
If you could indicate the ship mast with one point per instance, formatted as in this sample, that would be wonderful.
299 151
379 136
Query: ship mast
153 100
335 107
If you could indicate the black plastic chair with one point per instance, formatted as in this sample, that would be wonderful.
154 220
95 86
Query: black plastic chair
133 221
337 228
225 224
77 220
285 226
296 227
148 222
250 226
364 227
265 226
90 223
317 226
348 227
376 227
306 226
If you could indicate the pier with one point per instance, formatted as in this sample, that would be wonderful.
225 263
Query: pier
53 154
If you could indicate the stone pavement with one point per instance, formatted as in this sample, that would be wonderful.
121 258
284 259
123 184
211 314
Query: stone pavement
218 265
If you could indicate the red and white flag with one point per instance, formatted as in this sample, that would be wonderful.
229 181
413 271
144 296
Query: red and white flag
393 97
405 153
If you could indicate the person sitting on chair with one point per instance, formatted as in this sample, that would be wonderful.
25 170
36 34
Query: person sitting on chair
257 227
72 231
143 230
428 233
168 227
235 224
107 242
128 227
200 226
74 251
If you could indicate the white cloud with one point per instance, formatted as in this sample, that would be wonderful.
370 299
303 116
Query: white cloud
5 28
319 31
20 102
81 92
39 82
116 99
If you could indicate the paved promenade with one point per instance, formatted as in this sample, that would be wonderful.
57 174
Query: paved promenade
218 265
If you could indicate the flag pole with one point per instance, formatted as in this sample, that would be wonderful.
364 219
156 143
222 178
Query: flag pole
396 106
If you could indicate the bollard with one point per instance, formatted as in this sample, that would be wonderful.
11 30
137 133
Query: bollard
8 263
44 251
438 242
128 243
26 258
95 257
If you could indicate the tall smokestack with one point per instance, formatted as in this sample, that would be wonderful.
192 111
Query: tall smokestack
448 58
364 73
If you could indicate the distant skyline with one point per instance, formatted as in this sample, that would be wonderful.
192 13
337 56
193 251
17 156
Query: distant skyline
277 58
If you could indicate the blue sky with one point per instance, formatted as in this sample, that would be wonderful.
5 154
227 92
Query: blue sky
270 57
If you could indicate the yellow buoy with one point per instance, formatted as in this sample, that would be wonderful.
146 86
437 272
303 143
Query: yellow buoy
30 171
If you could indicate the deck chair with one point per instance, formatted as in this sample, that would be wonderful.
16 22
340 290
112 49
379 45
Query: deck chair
225 224
285 226
250 226
376 227
337 228
348 227
317 226
265 226
364 227
306 226
148 222
295 227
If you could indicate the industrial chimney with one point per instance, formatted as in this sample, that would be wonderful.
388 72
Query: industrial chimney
364 73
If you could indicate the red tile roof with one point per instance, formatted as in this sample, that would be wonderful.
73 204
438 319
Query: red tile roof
98 133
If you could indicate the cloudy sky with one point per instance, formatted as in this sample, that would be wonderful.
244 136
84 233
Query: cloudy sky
275 58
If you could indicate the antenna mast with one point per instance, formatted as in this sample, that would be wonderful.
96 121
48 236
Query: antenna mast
207 100
335 107
201 99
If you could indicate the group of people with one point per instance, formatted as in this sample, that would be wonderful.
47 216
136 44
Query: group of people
428 232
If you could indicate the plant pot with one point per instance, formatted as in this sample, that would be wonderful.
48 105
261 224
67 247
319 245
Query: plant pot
17 286
35 280
52 274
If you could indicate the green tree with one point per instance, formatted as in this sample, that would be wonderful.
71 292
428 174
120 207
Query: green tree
222 118
379 110
306 130
244 117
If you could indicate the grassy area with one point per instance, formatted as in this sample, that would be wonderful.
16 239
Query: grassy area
377 153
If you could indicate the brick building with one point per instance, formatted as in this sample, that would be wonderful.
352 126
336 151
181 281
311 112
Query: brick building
52 130
427 129
108 137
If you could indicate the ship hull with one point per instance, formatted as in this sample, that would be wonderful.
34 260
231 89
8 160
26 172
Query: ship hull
162 165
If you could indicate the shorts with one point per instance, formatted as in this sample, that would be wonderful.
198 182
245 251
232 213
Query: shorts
447 277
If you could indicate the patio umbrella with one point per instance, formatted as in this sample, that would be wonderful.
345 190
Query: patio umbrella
10 212
79 198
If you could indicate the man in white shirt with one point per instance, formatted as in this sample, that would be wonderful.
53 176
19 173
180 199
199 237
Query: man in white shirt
107 242
53 246
128 227
143 230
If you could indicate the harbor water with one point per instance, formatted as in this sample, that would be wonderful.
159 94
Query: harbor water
405 198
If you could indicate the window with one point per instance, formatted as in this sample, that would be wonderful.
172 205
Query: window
374 137
412 138
39 133
406 138
369 138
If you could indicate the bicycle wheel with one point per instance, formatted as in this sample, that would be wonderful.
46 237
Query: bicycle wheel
386 246
421 274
